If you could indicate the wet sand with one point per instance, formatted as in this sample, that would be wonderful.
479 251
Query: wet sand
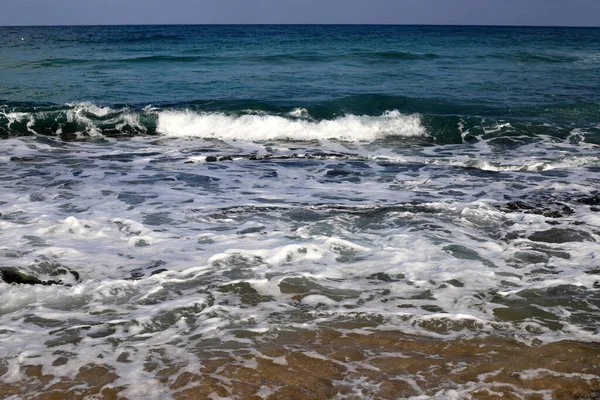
336 363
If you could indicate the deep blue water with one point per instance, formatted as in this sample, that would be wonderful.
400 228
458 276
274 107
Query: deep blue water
546 75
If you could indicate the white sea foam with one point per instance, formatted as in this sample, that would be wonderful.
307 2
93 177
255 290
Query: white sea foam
300 112
90 108
404 235
350 128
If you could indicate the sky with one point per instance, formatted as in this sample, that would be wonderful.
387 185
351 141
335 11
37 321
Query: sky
459 12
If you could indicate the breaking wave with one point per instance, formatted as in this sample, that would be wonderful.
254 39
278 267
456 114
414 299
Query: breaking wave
268 127
363 118
84 120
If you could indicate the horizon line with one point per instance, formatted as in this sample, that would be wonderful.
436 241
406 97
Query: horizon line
299 24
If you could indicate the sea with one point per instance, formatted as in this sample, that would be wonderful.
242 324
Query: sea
299 212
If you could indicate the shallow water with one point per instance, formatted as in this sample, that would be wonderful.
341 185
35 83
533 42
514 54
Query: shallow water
176 254
339 362
381 244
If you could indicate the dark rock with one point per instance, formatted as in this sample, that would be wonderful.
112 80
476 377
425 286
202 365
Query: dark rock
517 206
264 157
555 235
382 276
247 231
567 210
432 308
158 271
552 214
13 275
135 275
75 274
549 209
455 283
590 201
593 271
26 159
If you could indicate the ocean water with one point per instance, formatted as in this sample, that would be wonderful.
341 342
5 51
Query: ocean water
299 212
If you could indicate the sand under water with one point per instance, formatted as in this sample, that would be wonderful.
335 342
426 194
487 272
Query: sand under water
335 362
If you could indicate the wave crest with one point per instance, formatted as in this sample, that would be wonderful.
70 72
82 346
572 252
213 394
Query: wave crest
350 128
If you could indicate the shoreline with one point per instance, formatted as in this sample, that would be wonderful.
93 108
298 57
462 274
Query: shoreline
338 363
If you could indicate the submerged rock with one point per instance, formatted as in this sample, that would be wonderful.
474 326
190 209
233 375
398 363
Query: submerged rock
590 201
262 157
550 209
27 159
517 206
561 236
158 271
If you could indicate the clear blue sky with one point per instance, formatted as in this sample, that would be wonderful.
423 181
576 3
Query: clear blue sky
476 12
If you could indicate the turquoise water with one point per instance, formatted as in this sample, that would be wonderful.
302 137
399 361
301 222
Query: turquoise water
183 190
